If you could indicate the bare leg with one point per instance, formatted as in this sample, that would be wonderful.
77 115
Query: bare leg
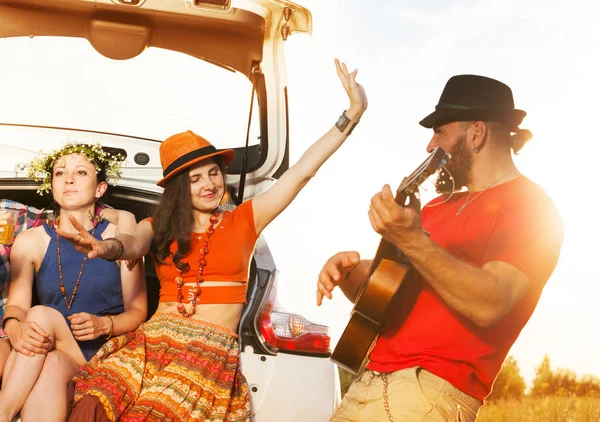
7 367
48 400
4 352
17 388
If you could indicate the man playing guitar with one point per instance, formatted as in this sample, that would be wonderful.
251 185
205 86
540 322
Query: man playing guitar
481 258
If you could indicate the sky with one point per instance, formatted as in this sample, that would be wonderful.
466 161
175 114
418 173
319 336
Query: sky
405 51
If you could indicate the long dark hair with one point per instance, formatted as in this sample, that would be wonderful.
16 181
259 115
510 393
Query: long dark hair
174 219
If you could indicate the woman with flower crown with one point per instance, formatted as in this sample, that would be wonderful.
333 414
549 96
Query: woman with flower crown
183 364
83 302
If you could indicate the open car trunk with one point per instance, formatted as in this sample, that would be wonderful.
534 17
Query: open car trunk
240 36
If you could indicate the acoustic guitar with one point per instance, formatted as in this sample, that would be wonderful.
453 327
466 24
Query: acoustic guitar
386 273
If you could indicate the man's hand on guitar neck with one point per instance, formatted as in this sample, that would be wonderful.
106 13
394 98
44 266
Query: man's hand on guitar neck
399 225
344 269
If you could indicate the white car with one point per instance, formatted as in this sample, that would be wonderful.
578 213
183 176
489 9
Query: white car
129 73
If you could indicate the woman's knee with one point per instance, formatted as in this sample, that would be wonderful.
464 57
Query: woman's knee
48 319
54 359
41 313
59 364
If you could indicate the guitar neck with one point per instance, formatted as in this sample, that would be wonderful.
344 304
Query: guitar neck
408 189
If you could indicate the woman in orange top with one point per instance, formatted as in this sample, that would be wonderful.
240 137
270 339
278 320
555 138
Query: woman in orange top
183 363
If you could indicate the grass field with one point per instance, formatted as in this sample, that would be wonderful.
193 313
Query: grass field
545 409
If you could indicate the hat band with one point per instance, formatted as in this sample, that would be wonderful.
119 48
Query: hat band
456 106
192 155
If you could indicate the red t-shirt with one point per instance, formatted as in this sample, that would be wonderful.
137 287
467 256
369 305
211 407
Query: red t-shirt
515 222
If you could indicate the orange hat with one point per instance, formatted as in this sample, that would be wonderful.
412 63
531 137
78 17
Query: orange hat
180 151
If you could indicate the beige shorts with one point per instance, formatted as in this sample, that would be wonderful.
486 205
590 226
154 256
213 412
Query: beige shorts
414 395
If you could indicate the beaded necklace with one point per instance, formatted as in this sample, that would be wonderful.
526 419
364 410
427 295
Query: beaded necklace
195 291
95 220
69 303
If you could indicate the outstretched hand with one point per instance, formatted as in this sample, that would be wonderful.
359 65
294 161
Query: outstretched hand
83 241
356 93
334 272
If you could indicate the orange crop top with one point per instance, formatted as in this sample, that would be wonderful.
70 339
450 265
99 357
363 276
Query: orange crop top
230 251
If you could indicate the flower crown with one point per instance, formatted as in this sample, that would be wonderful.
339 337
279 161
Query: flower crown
40 168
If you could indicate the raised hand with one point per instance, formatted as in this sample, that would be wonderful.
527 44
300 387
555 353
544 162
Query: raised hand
334 272
85 242
356 93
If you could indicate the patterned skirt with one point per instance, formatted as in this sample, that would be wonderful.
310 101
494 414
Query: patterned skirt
170 369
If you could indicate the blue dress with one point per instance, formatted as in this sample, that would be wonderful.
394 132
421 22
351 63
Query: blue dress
99 290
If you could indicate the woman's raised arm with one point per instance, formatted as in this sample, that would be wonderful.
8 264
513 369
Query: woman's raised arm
271 203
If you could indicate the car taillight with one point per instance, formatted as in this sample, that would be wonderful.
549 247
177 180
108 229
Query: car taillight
294 333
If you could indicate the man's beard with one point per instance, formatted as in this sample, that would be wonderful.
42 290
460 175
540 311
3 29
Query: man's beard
459 168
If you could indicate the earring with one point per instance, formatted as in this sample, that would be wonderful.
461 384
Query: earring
475 149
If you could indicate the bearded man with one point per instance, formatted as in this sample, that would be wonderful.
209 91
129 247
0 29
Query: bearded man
481 256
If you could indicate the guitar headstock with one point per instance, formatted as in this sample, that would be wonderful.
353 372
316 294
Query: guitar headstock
432 164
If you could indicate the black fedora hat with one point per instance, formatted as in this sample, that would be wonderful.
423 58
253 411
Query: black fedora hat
474 97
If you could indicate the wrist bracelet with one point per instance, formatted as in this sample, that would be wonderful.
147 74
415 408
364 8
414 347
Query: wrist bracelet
343 122
119 253
352 128
112 327
8 318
